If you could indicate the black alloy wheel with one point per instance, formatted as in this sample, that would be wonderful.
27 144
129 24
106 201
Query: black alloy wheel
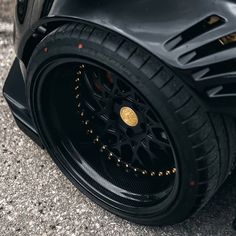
124 128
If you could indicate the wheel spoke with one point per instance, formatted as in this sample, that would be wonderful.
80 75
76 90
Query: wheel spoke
136 158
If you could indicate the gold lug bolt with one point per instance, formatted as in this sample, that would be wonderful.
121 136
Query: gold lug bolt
164 136
167 172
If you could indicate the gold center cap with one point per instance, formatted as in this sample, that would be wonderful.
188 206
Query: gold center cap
129 116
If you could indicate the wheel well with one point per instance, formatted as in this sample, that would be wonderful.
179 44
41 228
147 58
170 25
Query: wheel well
40 33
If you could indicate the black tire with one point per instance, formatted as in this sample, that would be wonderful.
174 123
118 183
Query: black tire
202 141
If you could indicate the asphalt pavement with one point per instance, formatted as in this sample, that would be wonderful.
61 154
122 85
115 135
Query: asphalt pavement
36 199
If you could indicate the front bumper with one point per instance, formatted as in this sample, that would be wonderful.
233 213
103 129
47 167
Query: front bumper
14 93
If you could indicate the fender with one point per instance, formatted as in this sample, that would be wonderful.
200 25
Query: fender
152 23
180 33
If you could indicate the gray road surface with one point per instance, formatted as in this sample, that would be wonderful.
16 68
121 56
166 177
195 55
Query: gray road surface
36 199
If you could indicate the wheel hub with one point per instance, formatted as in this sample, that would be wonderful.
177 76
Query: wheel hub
129 116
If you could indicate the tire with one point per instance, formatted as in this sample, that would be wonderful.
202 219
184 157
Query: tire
202 143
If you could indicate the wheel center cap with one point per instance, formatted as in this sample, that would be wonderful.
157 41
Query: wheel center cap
129 116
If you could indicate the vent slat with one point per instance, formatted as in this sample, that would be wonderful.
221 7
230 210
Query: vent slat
218 76
222 91
188 57
196 30
206 50
214 92
200 74
218 70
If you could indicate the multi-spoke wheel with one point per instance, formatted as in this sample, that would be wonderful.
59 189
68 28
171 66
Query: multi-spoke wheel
124 128
122 123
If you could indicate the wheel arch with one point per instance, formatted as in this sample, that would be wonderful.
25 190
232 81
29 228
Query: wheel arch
157 26
221 104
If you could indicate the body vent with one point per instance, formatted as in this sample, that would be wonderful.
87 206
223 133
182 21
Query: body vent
196 30
227 90
225 69
216 80
216 46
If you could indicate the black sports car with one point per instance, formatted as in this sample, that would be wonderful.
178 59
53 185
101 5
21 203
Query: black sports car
134 100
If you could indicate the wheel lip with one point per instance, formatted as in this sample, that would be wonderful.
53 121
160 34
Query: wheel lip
106 202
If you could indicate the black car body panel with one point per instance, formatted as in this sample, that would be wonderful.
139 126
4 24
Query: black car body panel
14 92
181 33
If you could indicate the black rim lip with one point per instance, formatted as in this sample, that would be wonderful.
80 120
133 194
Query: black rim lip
61 160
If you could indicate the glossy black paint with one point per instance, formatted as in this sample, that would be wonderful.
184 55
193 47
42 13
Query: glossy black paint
14 93
151 24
